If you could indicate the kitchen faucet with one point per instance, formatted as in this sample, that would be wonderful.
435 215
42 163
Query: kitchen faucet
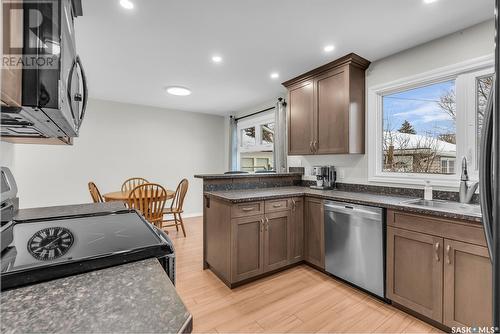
466 191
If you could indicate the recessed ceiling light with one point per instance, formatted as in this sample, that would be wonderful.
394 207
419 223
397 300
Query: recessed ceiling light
429 1
274 75
329 48
127 4
217 59
179 91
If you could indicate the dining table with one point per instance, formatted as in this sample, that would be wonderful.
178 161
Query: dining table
123 196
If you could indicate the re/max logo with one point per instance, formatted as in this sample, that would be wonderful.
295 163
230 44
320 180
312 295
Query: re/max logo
474 330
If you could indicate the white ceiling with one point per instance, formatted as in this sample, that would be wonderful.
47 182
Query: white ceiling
131 56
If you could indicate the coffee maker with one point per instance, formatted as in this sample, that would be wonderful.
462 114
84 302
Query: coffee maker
325 177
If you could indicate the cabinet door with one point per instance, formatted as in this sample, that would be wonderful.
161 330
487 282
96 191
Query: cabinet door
314 232
276 240
247 241
296 235
415 271
333 112
301 119
467 285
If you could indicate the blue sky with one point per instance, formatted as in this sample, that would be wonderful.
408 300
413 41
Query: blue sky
418 106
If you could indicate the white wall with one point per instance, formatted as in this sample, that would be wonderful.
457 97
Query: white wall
118 141
470 43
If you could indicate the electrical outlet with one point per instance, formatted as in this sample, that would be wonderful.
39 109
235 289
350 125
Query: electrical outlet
341 174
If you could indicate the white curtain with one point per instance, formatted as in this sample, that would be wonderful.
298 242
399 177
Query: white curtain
280 149
233 144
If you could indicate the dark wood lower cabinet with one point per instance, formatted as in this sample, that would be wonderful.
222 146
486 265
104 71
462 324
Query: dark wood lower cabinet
296 235
276 240
467 285
247 250
314 232
414 271
440 269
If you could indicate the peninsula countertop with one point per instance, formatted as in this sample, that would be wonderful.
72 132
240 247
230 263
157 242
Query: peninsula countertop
384 201
134 297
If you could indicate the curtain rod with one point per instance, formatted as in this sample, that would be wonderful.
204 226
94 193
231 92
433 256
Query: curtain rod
255 113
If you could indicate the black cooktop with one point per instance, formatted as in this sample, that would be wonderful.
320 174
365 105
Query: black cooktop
50 248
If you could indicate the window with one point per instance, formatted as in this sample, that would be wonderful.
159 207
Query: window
419 129
424 125
256 143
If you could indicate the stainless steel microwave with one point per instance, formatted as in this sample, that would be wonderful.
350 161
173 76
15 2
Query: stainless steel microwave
54 86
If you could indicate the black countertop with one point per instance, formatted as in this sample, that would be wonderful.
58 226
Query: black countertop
136 297
384 201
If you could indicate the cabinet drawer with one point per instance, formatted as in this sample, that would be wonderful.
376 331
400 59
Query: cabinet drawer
247 209
277 205
442 227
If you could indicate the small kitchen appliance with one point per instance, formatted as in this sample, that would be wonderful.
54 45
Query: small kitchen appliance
37 249
325 177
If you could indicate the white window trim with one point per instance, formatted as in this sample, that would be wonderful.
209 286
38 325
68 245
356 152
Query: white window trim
375 118
256 121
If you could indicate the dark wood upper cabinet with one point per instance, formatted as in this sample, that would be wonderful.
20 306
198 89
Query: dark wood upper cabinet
326 110
301 120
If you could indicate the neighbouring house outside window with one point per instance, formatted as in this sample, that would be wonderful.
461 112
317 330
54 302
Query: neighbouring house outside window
425 124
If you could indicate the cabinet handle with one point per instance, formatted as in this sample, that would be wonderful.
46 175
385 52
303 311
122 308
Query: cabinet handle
267 224
448 259
294 205
311 147
315 145
436 251
276 205
247 209
262 225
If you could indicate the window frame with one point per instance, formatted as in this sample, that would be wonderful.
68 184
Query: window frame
257 122
465 121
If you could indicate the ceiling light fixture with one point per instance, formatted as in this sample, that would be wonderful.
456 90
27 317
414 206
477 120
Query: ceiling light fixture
217 59
329 48
178 91
429 1
274 75
127 4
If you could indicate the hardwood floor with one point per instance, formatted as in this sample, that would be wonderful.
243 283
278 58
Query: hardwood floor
300 299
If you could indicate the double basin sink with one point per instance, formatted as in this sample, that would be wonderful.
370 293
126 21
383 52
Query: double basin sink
448 206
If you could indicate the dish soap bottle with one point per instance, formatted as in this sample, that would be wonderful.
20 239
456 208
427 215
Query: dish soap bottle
428 191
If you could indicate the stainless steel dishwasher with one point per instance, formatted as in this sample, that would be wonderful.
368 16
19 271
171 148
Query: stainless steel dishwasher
354 245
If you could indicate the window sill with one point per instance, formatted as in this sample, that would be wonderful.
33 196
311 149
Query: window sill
448 181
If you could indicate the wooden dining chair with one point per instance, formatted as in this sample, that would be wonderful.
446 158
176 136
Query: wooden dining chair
149 199
176 208
133 182
95 193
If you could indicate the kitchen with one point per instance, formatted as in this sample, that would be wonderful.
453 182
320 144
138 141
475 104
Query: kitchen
269 246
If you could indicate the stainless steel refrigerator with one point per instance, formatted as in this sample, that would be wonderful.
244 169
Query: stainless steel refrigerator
489 177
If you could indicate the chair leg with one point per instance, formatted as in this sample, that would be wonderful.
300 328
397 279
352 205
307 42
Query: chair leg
176 223
182 225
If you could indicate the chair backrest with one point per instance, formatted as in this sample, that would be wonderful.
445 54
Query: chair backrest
149 199
133 182
94 193
180 194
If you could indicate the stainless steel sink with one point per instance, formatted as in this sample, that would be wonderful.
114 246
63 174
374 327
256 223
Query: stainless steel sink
445 206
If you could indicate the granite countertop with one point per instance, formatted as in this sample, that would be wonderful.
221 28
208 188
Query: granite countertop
134 297
234 176
384 201
67 210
